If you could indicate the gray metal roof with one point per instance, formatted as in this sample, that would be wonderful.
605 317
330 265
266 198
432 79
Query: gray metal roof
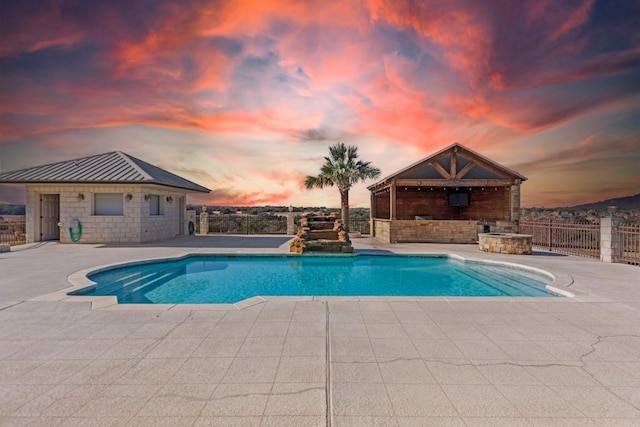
115 167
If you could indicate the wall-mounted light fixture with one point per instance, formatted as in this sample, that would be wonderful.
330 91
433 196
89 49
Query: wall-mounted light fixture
169 199
147 197
128 197
80 197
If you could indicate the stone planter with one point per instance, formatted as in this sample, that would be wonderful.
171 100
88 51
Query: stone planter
505 243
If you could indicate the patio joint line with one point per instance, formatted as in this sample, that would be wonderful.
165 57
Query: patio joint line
327 351
12 305
270 393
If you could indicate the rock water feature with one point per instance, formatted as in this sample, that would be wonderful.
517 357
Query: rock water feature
321 233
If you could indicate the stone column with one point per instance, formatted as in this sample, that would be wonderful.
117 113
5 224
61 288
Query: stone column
204 221
372 213
32 215
609 239
291 225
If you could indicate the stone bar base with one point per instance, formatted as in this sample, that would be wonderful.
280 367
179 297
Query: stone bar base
426 231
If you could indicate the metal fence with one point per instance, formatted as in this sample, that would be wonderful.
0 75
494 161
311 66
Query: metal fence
12 232
572 238
246 224
359 225
629 240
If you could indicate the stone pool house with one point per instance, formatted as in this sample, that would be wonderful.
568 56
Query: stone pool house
105 198
448 197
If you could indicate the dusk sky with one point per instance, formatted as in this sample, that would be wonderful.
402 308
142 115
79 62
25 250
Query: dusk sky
245 97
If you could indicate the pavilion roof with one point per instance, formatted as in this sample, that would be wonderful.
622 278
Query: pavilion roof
453 165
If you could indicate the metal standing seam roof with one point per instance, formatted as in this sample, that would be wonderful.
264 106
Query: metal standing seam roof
115 167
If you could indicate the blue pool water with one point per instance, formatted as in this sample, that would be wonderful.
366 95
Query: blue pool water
229 279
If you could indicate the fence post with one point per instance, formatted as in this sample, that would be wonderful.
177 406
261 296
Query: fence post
291 225
204 221
609 240
550 236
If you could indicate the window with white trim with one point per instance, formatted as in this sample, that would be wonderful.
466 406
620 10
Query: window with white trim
108 204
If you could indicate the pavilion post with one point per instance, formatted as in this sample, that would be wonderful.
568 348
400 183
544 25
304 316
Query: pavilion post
392 201
514 202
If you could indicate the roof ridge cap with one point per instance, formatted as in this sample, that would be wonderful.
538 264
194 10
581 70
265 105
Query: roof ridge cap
132 162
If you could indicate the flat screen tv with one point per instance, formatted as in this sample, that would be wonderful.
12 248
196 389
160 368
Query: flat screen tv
458 199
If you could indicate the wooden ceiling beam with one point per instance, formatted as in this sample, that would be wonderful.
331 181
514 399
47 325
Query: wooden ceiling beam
454 182
442 171
453 167
465 169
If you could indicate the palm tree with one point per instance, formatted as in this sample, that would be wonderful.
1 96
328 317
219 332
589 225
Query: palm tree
342 169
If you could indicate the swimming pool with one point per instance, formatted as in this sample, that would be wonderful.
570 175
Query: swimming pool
228 279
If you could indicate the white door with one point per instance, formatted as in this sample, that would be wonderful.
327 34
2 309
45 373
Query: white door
49 217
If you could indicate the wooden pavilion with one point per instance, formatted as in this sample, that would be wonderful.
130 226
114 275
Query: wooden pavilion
449 197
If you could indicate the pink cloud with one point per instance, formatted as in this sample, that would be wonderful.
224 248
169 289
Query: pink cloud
575 19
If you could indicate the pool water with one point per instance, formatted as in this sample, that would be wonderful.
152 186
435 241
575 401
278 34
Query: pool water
229 279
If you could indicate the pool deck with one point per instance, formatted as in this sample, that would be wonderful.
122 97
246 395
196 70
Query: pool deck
317 361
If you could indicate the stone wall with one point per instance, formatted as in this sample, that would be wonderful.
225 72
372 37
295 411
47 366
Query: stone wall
516 244
382 229
166 225
134 226
427 231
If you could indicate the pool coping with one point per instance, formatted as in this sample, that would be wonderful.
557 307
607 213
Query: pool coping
78 280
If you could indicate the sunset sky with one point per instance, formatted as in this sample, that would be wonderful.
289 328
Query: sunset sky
244 97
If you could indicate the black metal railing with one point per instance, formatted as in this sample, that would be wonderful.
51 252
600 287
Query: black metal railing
262 224
245 224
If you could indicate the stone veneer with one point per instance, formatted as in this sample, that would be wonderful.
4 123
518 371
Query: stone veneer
426 231
135 226
505 243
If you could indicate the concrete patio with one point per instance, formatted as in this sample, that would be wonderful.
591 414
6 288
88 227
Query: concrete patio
317 362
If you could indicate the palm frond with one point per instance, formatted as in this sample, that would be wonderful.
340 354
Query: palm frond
342 169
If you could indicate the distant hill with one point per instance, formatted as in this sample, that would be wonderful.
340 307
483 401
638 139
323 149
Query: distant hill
11 209
628 202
